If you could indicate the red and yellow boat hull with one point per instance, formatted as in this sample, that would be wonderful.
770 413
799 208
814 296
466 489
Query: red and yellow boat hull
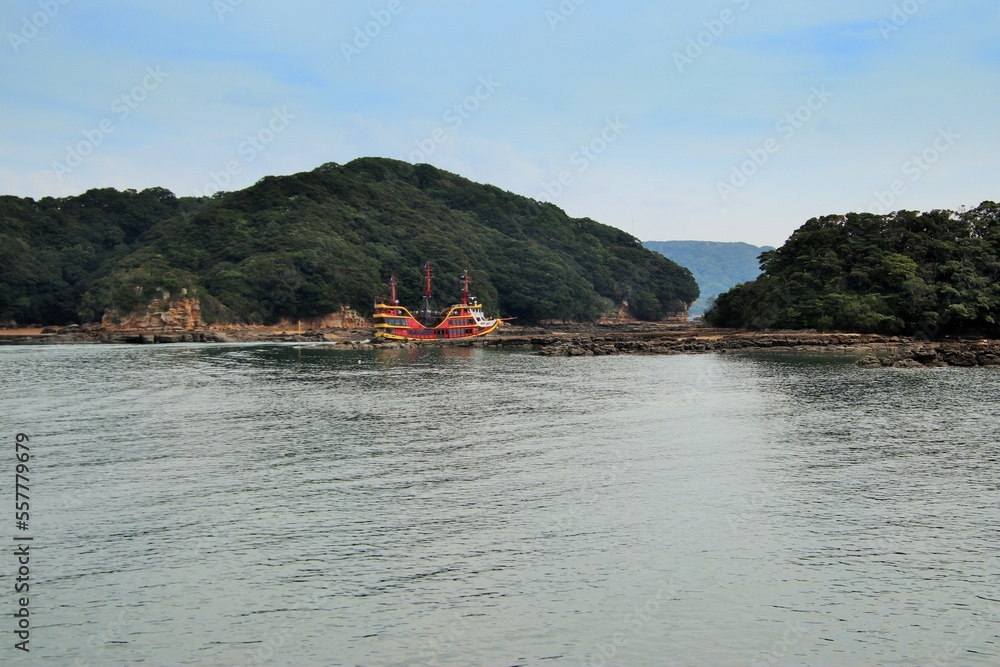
455 323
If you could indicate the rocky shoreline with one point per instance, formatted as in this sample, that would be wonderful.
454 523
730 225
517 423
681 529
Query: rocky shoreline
872 350
574 340
938 355
95 334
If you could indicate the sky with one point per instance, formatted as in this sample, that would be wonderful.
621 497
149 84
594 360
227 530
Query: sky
730 120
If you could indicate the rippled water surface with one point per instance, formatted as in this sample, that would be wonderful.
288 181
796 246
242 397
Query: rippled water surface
252 505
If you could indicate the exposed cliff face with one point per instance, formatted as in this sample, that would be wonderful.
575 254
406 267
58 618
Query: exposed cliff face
621 316
161 314
164 314
345 318
624 316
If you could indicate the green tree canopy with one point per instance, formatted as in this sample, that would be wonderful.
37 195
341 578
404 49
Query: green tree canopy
907 272
304 245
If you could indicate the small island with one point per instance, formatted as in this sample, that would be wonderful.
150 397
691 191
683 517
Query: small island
918 274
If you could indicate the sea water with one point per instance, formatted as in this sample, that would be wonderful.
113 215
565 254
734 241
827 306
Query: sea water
310 505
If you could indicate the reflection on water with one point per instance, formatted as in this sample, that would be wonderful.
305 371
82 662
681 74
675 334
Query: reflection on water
308 505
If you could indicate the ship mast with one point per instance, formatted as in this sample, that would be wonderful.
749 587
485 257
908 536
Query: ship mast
392 289
465 289
427 315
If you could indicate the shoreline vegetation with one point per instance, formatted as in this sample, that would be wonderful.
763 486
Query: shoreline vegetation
906 273
570 340
302 246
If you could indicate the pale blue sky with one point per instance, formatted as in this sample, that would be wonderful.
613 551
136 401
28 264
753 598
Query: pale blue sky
673 127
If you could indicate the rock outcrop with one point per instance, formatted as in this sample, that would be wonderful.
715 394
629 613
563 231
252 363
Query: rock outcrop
345 318
162 314
936 355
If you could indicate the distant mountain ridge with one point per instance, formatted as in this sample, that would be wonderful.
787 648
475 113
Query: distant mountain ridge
717 266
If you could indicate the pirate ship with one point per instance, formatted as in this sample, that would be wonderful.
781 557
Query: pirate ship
461 320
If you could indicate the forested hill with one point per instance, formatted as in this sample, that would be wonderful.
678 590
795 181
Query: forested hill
917 273
304 245
717 266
